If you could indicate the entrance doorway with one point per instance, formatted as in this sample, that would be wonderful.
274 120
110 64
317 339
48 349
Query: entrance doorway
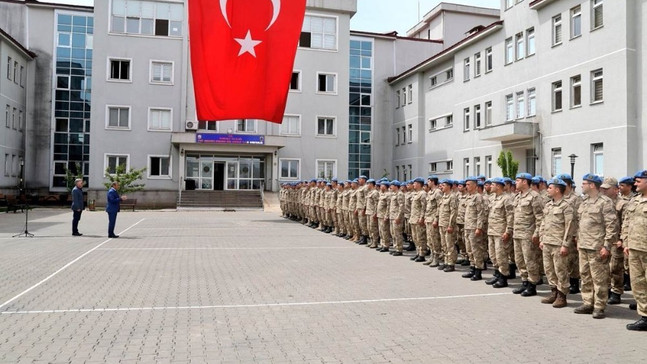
219 176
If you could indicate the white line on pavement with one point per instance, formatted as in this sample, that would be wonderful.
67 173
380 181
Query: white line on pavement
259 305
259 248
65 267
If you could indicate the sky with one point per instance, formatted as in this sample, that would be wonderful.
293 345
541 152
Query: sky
378 16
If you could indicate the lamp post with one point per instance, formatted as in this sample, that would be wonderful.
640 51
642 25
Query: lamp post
21 186
572 157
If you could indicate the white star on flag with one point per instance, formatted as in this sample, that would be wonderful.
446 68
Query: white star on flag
247 44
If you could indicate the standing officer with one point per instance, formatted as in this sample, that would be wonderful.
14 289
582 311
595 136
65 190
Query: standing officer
112 208
408 196
617 262
555 234
527 219
372 198
396 216
626 186
474 229
360 210
352 206
77 205
447 209
634 231
596 236
431 223
460 224
382 213
500 220
573 255
417 219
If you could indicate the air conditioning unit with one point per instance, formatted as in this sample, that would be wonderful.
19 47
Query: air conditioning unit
191 125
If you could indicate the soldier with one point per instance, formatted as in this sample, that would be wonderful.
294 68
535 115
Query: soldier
463 259
634 233
372 197
360 210
527 219
417 219
396 214
346 210
408 196
340 226
382 213
474 223
500 220
596 235
447 210
573 257
352 207
626 186
617 262
431 223
555 234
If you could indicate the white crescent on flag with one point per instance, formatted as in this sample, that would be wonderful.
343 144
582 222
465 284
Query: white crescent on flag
276 6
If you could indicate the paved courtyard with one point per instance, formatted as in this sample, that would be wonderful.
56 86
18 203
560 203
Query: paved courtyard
211 287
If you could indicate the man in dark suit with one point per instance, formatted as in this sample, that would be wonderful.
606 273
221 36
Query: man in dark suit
77 205
112 208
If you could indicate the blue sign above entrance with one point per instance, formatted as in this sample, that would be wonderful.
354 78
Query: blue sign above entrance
209 138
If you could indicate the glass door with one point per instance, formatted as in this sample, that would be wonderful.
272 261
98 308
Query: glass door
206 175
232 175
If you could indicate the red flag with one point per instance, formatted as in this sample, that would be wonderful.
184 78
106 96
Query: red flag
242 54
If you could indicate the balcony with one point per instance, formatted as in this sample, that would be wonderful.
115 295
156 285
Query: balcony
510 131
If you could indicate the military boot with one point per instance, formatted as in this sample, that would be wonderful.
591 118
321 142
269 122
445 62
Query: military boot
494 278
614 298
501 282
411 247
470 274
420 259
627 283
550 299
434 261
442 266
477 275
640 325
449 268
531 290
521 288
575 286
362 240
633 306
414 257
584 310
513 268
560 301
598 314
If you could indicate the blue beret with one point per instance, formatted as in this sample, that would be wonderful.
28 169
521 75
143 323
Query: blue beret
371 181
445 180
590 177
313 180
471 178
362 176
565 177
329 184
432 177
354 181
627 180
419 180
541 179
557 181
498 180
386 183
526 176
480 176
489 180
461 182
641 174
535 180
335 180
480 184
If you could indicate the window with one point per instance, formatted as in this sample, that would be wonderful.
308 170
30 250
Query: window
159 119
576 91
532 102
114 161
576 22
488 60
327 83
397 99
466 119
509 107
557 30
291 125
410 133
477 116
325 126
509 4
488 113
450 74
466 69
6 116
404 135
433 124
433 167
161 72
449 121
246 126
488 166
477 166
397 136
404 96
9 64
7 165
410 93
22 76
466 167
521 105
159 166
16 68
119 69
20 120
449 166
434 81
530 41
509 51
118 117
208 125
477 64
326 169
318 32
597 159
556 161
597 86
289 168
13 118
557 96
521 46
597 19
147 18
295 81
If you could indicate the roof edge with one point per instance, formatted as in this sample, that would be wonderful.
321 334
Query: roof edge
18 45
394 36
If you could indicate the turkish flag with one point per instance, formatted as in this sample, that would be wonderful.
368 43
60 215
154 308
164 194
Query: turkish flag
242 55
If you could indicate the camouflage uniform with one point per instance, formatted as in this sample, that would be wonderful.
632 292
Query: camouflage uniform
573 254
555 232
417 213
634 232
475 220
527 219
617 265
447 211
460 225
500 220
431 217
396 217
383 218
361 210
372 197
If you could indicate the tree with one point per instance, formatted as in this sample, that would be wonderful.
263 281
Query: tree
71 176
126 179
386 174
509 167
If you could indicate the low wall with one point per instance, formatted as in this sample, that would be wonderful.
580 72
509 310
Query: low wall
147 199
